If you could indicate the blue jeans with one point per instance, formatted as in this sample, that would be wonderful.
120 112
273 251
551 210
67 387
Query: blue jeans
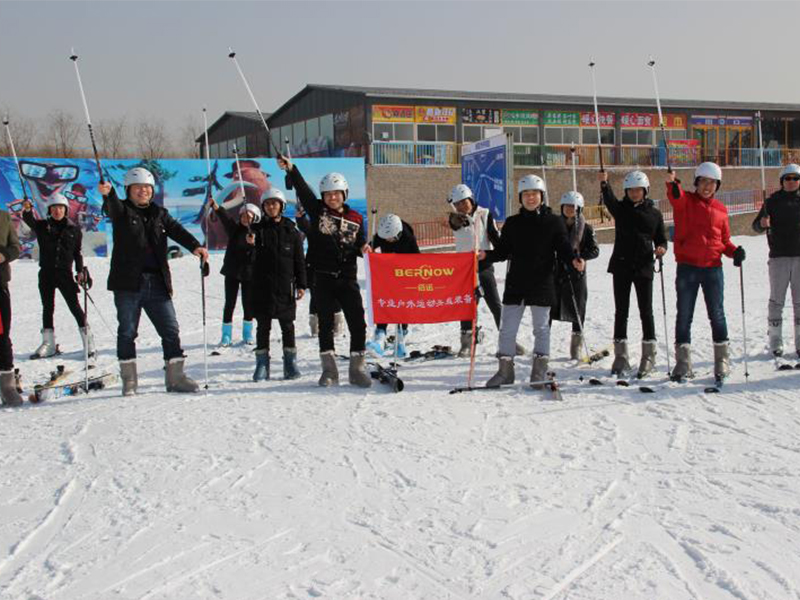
154 299
687 283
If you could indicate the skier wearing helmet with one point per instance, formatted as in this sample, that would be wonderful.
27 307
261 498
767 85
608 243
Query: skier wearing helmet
237 267
568 281
639 238
140 276
59 247
702 236
474 230
394 236
532 240
279 281
780 218
336 238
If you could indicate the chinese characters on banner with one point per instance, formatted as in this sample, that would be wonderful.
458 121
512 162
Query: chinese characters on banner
556 118
650 120
482 116
520 117
421 288
393 114
588 120
436 114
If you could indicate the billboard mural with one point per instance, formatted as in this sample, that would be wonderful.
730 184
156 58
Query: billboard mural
181 186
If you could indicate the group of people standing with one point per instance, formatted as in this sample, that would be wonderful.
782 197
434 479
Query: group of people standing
546 252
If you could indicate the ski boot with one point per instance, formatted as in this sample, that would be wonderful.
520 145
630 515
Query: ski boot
247 333
722 361
466 343
376 344
290 370
8 389
400 343
227 335
775 335
330 374
262 365
505 372
683 363
48 346
539 371
130 379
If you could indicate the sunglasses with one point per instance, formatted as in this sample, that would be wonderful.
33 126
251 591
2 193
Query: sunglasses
791 178
50 173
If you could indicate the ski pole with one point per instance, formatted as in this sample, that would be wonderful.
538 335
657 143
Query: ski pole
664 309
232 56
744 324
204 266
16 160
652 64
574 172
74 58
85 286
286 179
578 315
100 314
596 115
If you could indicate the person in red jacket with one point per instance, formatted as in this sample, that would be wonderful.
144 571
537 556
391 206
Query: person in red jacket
702 236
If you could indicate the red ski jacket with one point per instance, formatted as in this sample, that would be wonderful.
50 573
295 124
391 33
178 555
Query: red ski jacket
702 231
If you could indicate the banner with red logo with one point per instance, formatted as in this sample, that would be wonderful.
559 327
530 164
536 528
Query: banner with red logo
421 288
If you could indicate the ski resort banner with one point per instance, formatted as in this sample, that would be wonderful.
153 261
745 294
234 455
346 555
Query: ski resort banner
420 288
486 167
182 186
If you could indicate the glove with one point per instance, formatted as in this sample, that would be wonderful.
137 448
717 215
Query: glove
457 221
738 256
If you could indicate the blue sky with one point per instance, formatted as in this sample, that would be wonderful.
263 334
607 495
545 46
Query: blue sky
170 58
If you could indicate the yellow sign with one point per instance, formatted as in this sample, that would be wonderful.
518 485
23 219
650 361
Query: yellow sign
445 115
392 114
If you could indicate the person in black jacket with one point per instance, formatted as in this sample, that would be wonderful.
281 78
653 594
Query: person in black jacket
59 247
336 238
581 238
9 252
394 236
639 239
780 218
279 280
532 241
237 267
140 276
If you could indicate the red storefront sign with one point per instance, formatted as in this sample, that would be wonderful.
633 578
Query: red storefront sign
650 120
588 120
421 288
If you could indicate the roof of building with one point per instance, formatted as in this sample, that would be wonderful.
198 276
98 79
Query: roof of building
252 116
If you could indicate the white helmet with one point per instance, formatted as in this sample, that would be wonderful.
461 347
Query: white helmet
276 194
790 169
532 182
389 227
636 179
572 198
58 199
708 169
253 210
139 175
333 182
459 193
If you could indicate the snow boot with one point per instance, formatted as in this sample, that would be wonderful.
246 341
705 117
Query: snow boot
539 371
505 372
88 341
357 373
683 363
722 360
290 370
130 379
648 362
313 325
400 344
775 335
621 363
227 335
262 365
519 349
8 389
330 374
247 333
376 344
176 380
575 345
48 345
466 343
338 323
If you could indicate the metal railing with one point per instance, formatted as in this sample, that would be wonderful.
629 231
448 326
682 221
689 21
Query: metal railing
440 154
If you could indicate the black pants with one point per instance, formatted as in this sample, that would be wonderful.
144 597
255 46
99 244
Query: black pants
487 289
383 327
232 293
6 351
622 300
312 302
49 282
264 326
331 290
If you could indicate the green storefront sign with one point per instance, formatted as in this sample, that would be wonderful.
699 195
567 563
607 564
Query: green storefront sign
520 117
562 118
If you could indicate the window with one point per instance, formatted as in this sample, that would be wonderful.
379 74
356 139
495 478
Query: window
312 129
523 135
299 133
326 127
637 137
672 134
241 146
392 132
435 133
590 136
562 135
474 133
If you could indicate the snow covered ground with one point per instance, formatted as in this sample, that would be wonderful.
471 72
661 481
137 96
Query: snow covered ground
283 490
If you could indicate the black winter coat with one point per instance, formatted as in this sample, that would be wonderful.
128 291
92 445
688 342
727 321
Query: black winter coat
138 233
279 269
637 230
59 243
783 236
334 239
563 309
405 244
239 255
532 241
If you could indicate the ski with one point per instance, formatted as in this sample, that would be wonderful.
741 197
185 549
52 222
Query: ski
57 389
435 353
387 376
550 384
599 355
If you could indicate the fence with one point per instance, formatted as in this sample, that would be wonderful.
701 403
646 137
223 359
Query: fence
411 153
